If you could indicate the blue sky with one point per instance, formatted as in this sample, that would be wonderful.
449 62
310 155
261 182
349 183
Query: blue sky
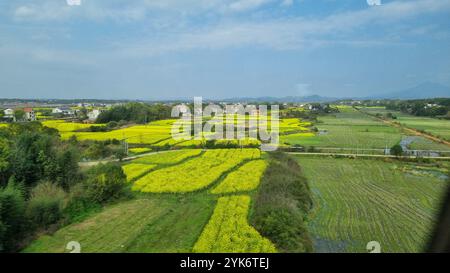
165 49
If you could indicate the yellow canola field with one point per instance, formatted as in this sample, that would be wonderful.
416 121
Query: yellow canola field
168 158
134 170
229 232
194 174
139 134
246 178
63 126
139 150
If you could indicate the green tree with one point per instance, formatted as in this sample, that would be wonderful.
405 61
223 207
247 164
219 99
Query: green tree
4 159
119 153
67 166
12 216
19 115
33 157
105 182
397 150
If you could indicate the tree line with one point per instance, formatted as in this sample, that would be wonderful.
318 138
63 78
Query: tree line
426 108
136 112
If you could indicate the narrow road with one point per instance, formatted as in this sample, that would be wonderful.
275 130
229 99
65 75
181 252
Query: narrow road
95 163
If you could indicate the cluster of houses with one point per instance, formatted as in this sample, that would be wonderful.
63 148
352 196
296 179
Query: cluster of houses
30 114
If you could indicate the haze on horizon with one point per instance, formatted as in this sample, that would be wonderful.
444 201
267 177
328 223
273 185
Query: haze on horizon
166 49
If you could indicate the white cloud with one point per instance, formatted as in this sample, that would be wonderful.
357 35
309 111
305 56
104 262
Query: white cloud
24 11
288 33
292 33
243 5
131 10
287 3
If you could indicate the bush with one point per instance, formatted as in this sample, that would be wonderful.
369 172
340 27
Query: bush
286 230
112 124
45 205
97 150
105 182
397 150
12 216
282 205
119 153
79 205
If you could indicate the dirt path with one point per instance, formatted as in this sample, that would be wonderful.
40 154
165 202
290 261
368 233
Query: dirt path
95 163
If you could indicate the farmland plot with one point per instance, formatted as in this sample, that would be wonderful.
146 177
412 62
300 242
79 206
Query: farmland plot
434 126
135 170
246 178
358 201
196 173
63 126
151 133
168 158
350 128
347 129
229 232
146 225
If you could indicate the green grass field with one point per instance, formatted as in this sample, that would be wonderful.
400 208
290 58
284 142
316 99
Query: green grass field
421 143
358 201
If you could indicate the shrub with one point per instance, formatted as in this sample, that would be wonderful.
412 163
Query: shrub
79 205
397 150
45 205
12 216
112 124
105 182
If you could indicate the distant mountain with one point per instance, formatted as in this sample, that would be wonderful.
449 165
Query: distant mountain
422 91
299 99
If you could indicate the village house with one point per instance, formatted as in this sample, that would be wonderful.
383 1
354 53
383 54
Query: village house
93 115
66 111
9 113
30 115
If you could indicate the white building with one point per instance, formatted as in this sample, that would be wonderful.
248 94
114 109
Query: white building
63 110
9 113
93 115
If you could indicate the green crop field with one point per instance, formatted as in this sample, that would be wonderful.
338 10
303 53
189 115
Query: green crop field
421 143
436 127
148 224
358 201
348 129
